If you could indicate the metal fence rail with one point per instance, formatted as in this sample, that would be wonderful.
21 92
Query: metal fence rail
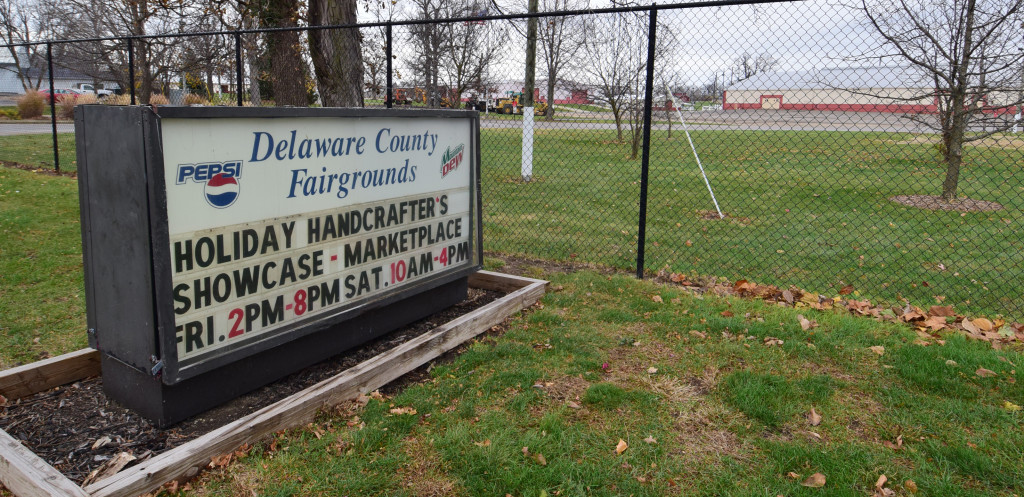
776 142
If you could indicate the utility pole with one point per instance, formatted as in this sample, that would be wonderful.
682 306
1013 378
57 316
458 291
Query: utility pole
527 99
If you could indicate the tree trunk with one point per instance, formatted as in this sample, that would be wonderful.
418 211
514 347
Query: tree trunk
549 113
287 76
954 130
337 53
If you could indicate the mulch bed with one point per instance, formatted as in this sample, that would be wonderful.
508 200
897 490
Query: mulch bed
76 428
936 203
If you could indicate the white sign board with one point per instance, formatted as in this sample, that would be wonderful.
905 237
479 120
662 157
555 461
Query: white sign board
278 222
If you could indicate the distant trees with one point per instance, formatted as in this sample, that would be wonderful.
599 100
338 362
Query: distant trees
23 21
970 51
748 64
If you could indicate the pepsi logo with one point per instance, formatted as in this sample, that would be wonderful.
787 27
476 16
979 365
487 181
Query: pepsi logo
221 190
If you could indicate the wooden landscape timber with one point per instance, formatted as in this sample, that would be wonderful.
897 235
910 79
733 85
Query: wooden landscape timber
26 475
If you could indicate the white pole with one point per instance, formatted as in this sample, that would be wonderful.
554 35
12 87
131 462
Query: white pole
527 167
1016 122
701 166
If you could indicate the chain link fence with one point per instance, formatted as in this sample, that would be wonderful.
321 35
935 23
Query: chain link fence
800 143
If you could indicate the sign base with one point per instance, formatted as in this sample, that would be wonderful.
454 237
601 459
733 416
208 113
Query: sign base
165 405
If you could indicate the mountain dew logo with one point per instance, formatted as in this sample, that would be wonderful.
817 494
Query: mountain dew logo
451 159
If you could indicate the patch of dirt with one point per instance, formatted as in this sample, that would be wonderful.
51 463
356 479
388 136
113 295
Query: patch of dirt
76 428
38 170
936 203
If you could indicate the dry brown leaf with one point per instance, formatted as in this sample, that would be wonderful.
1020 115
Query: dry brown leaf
970 327
742 286
652 370
540 459
881 482
485 443
621 446
573 405
814 418
698 334
651 440
727 314
817 480
658 299
526 452
941 310
910 486
985 373
846 290
935 323
793 476
984 324
403 410
788 296
806 324
878 349
102 441
772 341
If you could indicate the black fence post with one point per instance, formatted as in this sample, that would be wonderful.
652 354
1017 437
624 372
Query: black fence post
238 67
53 107
388 54
131 70
645 160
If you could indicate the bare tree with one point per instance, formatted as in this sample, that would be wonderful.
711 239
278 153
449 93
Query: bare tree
24 22
560 41
748 64
468 50
615 60
428 41
337 54
970 51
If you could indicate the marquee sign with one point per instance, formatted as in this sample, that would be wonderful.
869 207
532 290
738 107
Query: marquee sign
262 226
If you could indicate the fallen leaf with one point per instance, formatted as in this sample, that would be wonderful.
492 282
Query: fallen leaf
657 298
817 480
985 373
698 334
970 327
651 440
792 475
727 314
540 459
788 296
652 370
485 443
621 446
1006 331
526 452
806 324
573 405
880 482
935 323
878 349
1010 406
772 341
403 410
983 324
814 418
941 310
846 290
910 486
951 362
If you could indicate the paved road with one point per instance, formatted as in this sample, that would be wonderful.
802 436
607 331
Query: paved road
8 128
753 120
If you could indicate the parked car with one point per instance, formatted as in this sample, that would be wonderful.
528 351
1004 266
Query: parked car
59 94
87 88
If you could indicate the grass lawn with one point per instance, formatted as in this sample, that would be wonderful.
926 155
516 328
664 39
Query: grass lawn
42 300
37 150
699 388
804 208
703 406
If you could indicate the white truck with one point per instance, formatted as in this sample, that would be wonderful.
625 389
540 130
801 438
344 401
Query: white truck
88 88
